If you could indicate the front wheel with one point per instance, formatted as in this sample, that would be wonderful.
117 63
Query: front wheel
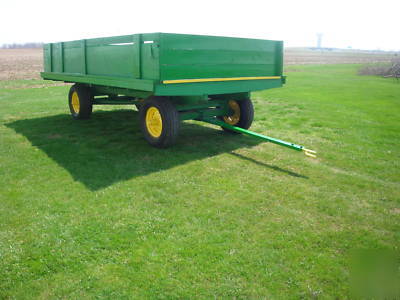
80 101
242 114
159 122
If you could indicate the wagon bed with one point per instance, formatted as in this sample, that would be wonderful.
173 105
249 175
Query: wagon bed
166 64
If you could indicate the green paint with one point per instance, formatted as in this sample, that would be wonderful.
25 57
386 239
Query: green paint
144 85
115 101
143 61
107 90
253 134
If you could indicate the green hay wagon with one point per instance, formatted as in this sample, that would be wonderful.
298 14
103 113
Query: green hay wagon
170 78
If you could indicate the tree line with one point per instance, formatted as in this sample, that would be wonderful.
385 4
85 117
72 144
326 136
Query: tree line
21 46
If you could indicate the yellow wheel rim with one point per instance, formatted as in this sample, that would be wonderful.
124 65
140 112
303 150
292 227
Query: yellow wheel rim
75 102
235 117
154 122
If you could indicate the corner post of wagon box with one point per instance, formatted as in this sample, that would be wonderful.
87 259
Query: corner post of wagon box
279 64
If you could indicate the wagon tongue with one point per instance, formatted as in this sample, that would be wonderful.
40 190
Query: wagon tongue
307 152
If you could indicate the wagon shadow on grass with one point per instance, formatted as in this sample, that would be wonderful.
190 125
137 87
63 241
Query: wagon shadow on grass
109 147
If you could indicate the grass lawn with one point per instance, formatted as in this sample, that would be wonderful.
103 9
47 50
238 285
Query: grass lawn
88 209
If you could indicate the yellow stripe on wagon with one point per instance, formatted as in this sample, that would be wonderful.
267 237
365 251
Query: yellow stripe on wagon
219 79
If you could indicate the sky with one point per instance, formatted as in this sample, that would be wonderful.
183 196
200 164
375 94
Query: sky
356 24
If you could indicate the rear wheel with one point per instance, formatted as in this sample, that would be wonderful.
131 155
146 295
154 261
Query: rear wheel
242 114
80 101
159 122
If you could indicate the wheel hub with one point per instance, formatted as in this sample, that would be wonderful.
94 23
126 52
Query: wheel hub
154 122
75 102
235 117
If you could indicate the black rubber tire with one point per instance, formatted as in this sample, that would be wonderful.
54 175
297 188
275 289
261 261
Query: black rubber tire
85 102
246 115
170 122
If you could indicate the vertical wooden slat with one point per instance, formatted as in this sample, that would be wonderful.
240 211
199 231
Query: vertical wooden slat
137 40
84 66
51 56
62 56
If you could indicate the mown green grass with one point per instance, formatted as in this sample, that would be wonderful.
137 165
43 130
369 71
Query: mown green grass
89 210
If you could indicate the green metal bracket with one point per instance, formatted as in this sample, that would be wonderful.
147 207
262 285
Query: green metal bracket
202 114
307 152
121 100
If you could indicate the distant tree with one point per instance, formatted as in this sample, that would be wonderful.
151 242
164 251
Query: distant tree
394 70
21 46
383 69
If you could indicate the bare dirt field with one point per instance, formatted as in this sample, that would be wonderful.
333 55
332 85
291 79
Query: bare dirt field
20 63
27 63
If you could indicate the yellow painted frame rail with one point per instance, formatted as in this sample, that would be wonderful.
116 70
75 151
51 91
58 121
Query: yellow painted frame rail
219 79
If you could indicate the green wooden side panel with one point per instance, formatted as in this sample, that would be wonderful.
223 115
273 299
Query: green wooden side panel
73 59
110 60
214 88
120 57
143 61
216 71
193 56
56 58
150 61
